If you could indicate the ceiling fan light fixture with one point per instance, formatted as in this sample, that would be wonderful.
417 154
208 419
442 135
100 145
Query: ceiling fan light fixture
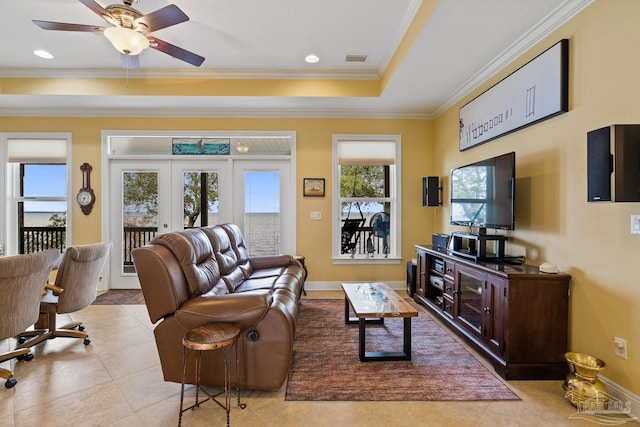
126 41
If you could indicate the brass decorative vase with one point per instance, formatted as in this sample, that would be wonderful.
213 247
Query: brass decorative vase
582 387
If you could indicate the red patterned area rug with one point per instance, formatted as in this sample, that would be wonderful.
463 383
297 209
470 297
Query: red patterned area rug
120 297
326 366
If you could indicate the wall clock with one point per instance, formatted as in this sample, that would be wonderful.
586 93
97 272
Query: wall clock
85 196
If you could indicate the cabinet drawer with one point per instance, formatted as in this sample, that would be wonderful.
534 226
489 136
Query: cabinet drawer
448 269
448 288
447 306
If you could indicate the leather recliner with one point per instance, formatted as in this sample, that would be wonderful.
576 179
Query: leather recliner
198 276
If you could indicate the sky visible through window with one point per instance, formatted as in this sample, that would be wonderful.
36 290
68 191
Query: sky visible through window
262 193
45 181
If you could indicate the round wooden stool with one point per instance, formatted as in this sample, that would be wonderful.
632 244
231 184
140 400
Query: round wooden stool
213 336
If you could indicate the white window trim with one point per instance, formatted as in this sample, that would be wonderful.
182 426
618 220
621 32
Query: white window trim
9 191
396 205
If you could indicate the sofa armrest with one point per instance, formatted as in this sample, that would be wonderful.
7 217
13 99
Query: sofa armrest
270 261
243 309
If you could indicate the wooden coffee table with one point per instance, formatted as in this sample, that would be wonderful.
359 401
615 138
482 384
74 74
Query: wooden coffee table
366 301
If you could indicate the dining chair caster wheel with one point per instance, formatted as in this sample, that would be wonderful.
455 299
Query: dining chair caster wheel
26 357
87 341
10 382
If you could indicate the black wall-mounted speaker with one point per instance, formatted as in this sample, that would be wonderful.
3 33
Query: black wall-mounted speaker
430 191
613 164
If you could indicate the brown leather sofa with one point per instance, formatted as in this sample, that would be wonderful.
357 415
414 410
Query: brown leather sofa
198 276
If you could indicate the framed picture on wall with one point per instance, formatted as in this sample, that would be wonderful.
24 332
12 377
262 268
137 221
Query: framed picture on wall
313 187
535 92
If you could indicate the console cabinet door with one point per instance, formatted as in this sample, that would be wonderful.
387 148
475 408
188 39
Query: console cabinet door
494 301
470 285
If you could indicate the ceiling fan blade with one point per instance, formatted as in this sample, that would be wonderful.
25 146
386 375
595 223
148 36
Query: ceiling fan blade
99 10
176 52
62 26
130 62
162 18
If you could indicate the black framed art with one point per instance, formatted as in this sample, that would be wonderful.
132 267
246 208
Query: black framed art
313 187
535 92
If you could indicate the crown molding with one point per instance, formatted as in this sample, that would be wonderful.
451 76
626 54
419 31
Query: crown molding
216 113
407 20
118 73
554 20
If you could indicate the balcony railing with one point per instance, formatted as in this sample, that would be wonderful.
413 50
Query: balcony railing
358 243
37 239
135 237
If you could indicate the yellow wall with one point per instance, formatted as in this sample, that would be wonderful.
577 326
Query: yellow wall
314 142
554 222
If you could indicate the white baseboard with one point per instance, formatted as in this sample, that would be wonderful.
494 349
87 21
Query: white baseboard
624 395
335 286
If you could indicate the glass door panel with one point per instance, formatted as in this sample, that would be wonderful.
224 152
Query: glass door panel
140 198
262 212
139 212
200 193
263 206
200 199
470 287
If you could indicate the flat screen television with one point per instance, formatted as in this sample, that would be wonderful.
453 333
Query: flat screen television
483 193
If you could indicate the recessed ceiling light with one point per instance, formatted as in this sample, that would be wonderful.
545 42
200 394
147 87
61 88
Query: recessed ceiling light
43 54
312 59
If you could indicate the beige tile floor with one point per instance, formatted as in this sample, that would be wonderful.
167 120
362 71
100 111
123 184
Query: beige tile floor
117 381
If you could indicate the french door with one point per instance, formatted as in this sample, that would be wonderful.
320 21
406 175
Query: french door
154 197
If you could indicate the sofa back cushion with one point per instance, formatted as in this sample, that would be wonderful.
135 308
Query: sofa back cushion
239 247
195 255
226 256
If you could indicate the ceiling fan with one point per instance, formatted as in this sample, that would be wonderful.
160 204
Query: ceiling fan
130 30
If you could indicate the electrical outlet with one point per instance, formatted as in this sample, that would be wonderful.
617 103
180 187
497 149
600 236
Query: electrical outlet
620 347
635 224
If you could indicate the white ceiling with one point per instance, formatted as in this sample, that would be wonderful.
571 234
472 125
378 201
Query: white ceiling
462 44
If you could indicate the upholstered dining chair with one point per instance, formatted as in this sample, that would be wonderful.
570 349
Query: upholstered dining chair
22 280
75 287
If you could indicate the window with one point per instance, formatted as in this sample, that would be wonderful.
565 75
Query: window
366 198
42 207
37 174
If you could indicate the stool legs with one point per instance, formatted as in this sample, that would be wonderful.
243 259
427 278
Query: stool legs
227 382
226 354
241 405
184 369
